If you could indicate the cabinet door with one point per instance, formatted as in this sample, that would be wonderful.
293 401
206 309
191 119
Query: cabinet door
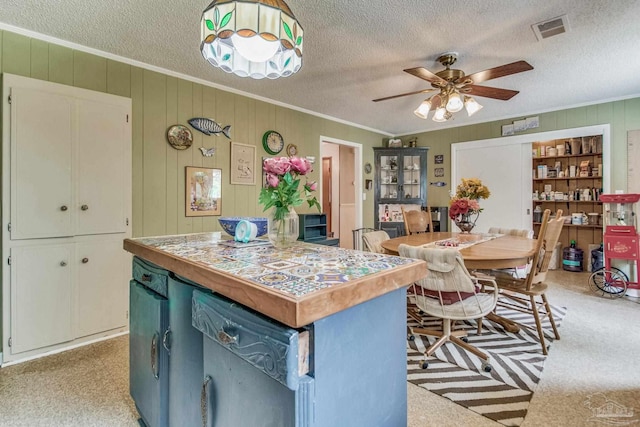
101 287
148 359
102 172
41 164
41 296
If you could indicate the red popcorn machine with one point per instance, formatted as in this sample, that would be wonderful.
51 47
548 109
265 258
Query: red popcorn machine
621 242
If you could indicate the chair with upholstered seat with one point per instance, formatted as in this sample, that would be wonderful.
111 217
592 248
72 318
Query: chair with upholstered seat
451 293
528 295
373 241
417 221
520 271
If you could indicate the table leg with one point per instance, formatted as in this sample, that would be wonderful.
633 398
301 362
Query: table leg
507 324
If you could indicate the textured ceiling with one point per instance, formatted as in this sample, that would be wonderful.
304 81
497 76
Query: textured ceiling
355 50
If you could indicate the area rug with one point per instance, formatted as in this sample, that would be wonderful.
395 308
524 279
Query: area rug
503 394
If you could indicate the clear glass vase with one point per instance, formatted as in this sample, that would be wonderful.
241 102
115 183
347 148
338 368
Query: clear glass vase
284 231
465 222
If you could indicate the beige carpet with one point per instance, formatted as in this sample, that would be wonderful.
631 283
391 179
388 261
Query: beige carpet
598 353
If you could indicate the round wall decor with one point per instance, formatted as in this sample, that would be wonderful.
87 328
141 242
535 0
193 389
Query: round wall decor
292 150
179 137
272 142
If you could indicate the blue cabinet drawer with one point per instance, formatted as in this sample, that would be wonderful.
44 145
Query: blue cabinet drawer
151 276
275 349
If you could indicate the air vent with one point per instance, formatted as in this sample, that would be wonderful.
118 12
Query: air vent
551 27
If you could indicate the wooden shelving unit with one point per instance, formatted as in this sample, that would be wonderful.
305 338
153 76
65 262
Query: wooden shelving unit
570 186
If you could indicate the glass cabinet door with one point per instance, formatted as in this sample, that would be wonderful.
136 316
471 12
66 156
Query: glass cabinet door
411 178
389 177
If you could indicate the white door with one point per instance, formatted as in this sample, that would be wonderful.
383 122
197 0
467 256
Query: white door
41 162
506 170
41 293
102 141
101 285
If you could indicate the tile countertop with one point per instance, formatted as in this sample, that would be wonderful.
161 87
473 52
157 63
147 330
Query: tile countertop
296 286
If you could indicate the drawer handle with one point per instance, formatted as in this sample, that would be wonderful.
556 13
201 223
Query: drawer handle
227 339
84 207
204 400
154 356
63 208
166 340
146 278
85 260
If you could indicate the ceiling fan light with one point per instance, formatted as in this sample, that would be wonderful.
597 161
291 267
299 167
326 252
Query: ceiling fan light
471 105
423 109
440 115
454 103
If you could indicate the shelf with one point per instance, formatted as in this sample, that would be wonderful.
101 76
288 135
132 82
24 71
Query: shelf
575 225
567 156
567 178
567 201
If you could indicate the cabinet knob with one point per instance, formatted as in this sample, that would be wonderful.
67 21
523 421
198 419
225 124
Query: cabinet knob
85 260
63 208
84 207
63 263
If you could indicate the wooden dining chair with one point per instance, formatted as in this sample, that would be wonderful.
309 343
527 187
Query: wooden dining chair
417 221
520 271
373 239
528 295
451 293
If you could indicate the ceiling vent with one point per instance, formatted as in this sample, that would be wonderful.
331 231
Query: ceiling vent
551 27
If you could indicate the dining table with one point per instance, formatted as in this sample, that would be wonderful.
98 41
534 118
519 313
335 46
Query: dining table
480 251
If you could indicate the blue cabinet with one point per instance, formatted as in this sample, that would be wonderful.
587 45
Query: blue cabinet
165 350
254 368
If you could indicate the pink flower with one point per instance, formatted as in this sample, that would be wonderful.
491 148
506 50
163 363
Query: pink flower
311 186
474 205
272 180
300 165
277 165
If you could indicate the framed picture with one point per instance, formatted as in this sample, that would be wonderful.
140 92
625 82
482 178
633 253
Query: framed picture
438 172
439 159
203 190
243 164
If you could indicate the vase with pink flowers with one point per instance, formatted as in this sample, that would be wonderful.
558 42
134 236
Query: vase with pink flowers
281 194
464 207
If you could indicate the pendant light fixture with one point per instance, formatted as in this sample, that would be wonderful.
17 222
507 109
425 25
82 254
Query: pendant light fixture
252 38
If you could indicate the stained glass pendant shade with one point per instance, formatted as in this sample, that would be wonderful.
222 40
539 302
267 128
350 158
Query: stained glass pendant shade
252 38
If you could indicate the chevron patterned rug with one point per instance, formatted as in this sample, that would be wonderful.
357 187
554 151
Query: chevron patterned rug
503 394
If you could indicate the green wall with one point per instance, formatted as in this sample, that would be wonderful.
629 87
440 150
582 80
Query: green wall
160 101
623 116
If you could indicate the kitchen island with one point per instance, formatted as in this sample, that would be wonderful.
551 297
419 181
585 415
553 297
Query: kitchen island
309 335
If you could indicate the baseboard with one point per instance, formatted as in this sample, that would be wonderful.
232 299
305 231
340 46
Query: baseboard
74 344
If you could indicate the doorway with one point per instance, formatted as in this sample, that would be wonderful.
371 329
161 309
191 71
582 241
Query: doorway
326 195
344 189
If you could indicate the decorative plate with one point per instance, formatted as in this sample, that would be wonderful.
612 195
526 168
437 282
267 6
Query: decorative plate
179 137
292 150
367 168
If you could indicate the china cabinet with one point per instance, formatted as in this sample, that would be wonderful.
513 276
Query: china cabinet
567 175
400 180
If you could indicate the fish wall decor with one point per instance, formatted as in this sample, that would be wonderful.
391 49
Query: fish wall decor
208 152
438 183
209 126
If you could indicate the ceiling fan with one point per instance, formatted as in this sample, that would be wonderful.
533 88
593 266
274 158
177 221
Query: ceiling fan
453 85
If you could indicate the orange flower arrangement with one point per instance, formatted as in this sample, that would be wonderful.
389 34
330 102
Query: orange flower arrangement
465 202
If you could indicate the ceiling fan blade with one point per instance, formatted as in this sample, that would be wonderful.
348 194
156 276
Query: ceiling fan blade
494 73
403 94
489 92
427 75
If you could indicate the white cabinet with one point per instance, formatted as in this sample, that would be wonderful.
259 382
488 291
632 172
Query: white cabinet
41 164
66 204
41 296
